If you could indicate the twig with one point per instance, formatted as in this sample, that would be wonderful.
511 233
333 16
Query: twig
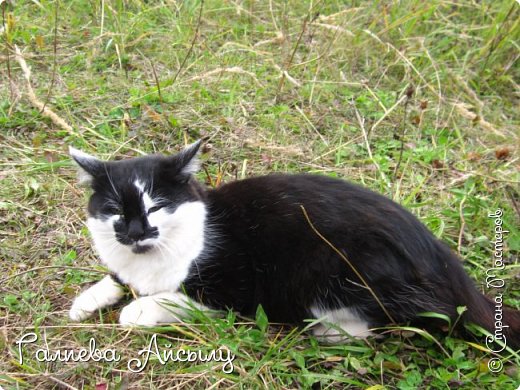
249 12
320 55
102 18
45 111
387 112
276 40
462 109
291 79
60 382
335 149
156 81
288 64
402 56
496 41
334 28
342 255
462 224
439 87
311 125
326 18
361 122
54 59
219 71
192 44
409 93
273 18
8 57
2 281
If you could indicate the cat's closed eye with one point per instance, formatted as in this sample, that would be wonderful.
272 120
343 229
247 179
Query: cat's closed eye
154 209
113 210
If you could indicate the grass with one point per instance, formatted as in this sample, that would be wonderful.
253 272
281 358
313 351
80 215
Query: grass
416 100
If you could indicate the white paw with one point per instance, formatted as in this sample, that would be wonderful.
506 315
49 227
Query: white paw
146 311
83 307
104 293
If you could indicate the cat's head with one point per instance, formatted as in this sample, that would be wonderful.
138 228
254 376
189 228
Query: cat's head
134 201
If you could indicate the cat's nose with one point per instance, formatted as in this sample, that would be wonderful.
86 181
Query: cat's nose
135 230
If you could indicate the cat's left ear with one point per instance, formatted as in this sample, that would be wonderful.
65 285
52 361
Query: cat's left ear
187 161
189 158
88 166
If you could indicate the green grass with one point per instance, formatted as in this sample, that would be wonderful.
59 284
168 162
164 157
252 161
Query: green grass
416 100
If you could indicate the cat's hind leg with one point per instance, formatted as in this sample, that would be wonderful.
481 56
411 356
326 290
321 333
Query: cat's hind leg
338 324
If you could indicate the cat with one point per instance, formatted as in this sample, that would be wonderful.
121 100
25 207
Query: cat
303 246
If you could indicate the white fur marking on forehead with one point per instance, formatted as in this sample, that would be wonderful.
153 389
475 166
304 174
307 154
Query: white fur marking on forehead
139 185
147 200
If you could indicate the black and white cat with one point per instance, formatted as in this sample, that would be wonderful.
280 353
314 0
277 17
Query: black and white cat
271 240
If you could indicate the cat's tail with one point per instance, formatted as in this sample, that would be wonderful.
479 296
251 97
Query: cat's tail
490 313
502 322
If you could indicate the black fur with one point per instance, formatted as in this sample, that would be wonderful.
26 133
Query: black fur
271 256
261 249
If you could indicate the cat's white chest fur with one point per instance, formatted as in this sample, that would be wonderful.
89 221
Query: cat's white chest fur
166 265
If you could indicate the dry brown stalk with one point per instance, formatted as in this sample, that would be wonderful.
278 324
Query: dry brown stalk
31 96
219 71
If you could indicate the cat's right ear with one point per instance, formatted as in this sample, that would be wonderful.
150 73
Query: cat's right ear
88 166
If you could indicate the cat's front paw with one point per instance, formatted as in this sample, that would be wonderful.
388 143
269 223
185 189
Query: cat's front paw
146 311
141 312
104 293
83 307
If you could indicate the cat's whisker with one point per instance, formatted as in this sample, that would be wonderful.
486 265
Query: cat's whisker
107 237
159 245
172 251
106 234
112 248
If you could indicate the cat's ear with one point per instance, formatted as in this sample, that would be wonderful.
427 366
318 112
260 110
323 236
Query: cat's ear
182 165
188 159
88 166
